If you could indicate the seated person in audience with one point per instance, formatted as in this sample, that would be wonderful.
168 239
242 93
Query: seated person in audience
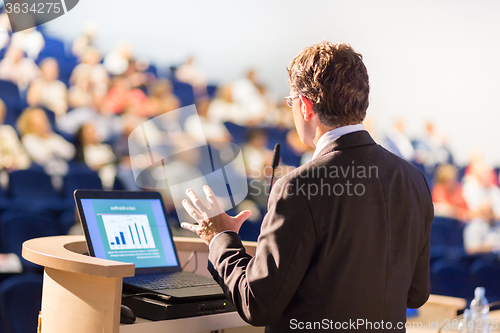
107 124
92 71
45 147
12 154
256 154
47 90
162 98
248 97
189 73
5 30
431 149
80 93
479 187
482 234
30 41
223 109
447 194
210 130
122 95
97 155
397 142
117 61
121 150
85 40
15 67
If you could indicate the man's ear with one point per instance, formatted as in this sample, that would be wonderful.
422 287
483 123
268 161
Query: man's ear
306 108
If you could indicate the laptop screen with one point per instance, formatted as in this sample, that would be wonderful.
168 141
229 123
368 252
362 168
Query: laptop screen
129 230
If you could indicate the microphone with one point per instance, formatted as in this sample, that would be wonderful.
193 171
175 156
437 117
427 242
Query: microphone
276 162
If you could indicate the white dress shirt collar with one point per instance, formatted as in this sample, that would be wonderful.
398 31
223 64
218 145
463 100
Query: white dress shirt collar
328 137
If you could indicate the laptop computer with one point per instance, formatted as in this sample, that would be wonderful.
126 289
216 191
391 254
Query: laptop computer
131 226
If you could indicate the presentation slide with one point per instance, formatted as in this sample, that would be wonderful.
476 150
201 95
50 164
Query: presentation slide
130 231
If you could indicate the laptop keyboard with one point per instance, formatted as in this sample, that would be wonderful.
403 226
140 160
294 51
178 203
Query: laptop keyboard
172 281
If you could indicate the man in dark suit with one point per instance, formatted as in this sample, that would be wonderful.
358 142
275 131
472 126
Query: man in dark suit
345 244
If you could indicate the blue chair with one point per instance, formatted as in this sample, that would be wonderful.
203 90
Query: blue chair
67 219
31 184
32 189
15 230
4 201
450 277
81 180
53 48
9 94
211 90
486 273
447 238
20 302
184 92
239 133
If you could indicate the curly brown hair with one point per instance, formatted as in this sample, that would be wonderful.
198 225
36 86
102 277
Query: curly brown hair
333 77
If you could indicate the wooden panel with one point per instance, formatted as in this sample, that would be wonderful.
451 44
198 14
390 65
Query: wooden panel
54 252
80 303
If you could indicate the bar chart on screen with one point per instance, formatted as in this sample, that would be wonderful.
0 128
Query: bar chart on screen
128 231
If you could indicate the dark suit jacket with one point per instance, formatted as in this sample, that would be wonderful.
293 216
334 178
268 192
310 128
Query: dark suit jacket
331 257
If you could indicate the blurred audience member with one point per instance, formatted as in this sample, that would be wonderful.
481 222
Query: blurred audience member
447 194
162 98
92 71
12 154
15 67
80 92
30 41
85 40
247 96
189 73
431 149
397 142
5 30
91 150
47 90
482 234
137 76
45 147
97 155
122 95
203 129
223 108
117 61
121 150
107 124
255 153
479 187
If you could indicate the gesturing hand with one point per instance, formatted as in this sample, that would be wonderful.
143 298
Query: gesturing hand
212 219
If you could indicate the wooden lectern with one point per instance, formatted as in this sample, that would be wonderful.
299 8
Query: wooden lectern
82 294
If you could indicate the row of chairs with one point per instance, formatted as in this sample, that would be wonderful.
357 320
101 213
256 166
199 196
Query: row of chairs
459 277
453 272
34 187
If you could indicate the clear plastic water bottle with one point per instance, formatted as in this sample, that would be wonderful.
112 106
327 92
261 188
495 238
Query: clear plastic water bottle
479 309
464 327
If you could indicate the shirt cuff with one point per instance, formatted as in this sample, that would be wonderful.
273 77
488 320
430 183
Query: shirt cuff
210 245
